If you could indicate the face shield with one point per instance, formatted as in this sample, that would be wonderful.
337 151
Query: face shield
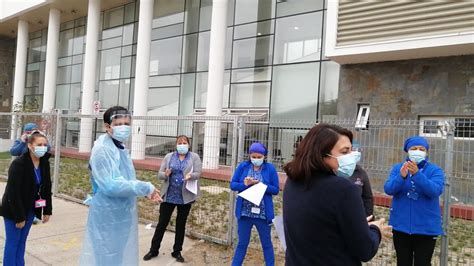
121 118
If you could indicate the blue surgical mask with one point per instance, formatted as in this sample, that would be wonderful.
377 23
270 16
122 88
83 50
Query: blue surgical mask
121 133
416 156
347 164
257 162
182 148
40 151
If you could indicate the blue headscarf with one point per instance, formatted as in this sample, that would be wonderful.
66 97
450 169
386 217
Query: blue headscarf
30 127
258 148
415 141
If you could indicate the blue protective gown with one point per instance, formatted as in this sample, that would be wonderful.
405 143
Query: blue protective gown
111 236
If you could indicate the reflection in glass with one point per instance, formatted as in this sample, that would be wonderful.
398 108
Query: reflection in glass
110 64
254 29
204 46
62 96
254 10
329 90
298 38
253 52
65 43
191 17
168 12
201 90
165 57
108 93
250 95
113 18
163 101
206 14
292 7
186 97
189 53
295 92
251 74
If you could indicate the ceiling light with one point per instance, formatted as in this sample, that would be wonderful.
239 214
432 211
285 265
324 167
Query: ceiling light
296 28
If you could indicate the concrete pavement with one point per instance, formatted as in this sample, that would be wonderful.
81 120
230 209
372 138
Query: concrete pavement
59 242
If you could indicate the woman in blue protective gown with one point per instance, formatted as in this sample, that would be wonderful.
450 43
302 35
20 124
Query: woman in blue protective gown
111 236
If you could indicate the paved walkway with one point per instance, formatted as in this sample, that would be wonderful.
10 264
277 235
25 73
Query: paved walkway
59 242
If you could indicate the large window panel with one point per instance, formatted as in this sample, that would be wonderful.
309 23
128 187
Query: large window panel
250 95
254 29
329 90
126 67
298 38
127 37
168 12
252 74
191 17
186 95
32 78
252 52
113 18
124 93
292 7
201 90
165 56
129 13
164 81
167 31
62 96
66 43
295 92
110 64
75 97
78 42
76 73
63 75
34 51
254 10
108 93
163 101
204 47
206 14
189 55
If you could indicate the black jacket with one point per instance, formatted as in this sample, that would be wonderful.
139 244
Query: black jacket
21 191
325 223
361 179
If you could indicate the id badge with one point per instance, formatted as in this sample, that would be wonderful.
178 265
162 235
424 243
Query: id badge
40 203
255 210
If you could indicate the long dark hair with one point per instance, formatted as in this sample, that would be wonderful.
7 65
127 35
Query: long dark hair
309 156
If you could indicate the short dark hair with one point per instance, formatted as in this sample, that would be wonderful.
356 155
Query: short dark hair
35 135
309 156
109 112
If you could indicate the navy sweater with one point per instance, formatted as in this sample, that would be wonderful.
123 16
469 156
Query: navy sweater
325 223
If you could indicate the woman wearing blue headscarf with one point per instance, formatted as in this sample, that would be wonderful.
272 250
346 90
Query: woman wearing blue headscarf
415 185
247 174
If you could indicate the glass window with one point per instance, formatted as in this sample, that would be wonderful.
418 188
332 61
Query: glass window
206 14
110 64
76 73
80 22
252 74
168 31
253 52
126 50
64 75
294 92
75 97
111 43
108 93
124 92
168 12
189 53
164 81
186 97
125 67
191 17
64 61
250 95
254 29
292 7
165 56
201 90
33 67
62 96
129 13
204 47
254 10
78 41
32 78
111 33
77 59
328 90
113 18
127 37
163 101
65 43
67 25
298 38
34 54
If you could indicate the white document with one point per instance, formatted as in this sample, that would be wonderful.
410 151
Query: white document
192 185
254 193
278 222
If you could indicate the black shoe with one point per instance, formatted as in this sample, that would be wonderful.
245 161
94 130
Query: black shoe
177 256
150 255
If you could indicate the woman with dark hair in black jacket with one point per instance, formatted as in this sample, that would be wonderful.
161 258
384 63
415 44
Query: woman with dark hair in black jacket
28 194
323 213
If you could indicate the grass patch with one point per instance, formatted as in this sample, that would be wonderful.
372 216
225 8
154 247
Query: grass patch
5 156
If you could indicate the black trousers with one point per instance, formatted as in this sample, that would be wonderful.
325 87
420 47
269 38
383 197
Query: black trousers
413 249
166 210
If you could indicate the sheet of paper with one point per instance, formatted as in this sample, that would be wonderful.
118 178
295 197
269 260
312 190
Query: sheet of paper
254 193
192 185
278 222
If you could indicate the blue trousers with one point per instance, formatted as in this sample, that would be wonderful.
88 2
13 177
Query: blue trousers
245 225
15 242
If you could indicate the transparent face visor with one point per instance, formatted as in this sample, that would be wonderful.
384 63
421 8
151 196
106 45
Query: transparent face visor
121 118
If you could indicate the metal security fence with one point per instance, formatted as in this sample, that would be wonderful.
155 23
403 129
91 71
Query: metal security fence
222 142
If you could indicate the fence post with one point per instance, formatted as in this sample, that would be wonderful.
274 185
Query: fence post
234 162
448 168
57 152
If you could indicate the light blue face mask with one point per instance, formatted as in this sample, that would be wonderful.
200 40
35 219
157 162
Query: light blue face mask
416 156
182 148
40 151
257 162
347 164
121 133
